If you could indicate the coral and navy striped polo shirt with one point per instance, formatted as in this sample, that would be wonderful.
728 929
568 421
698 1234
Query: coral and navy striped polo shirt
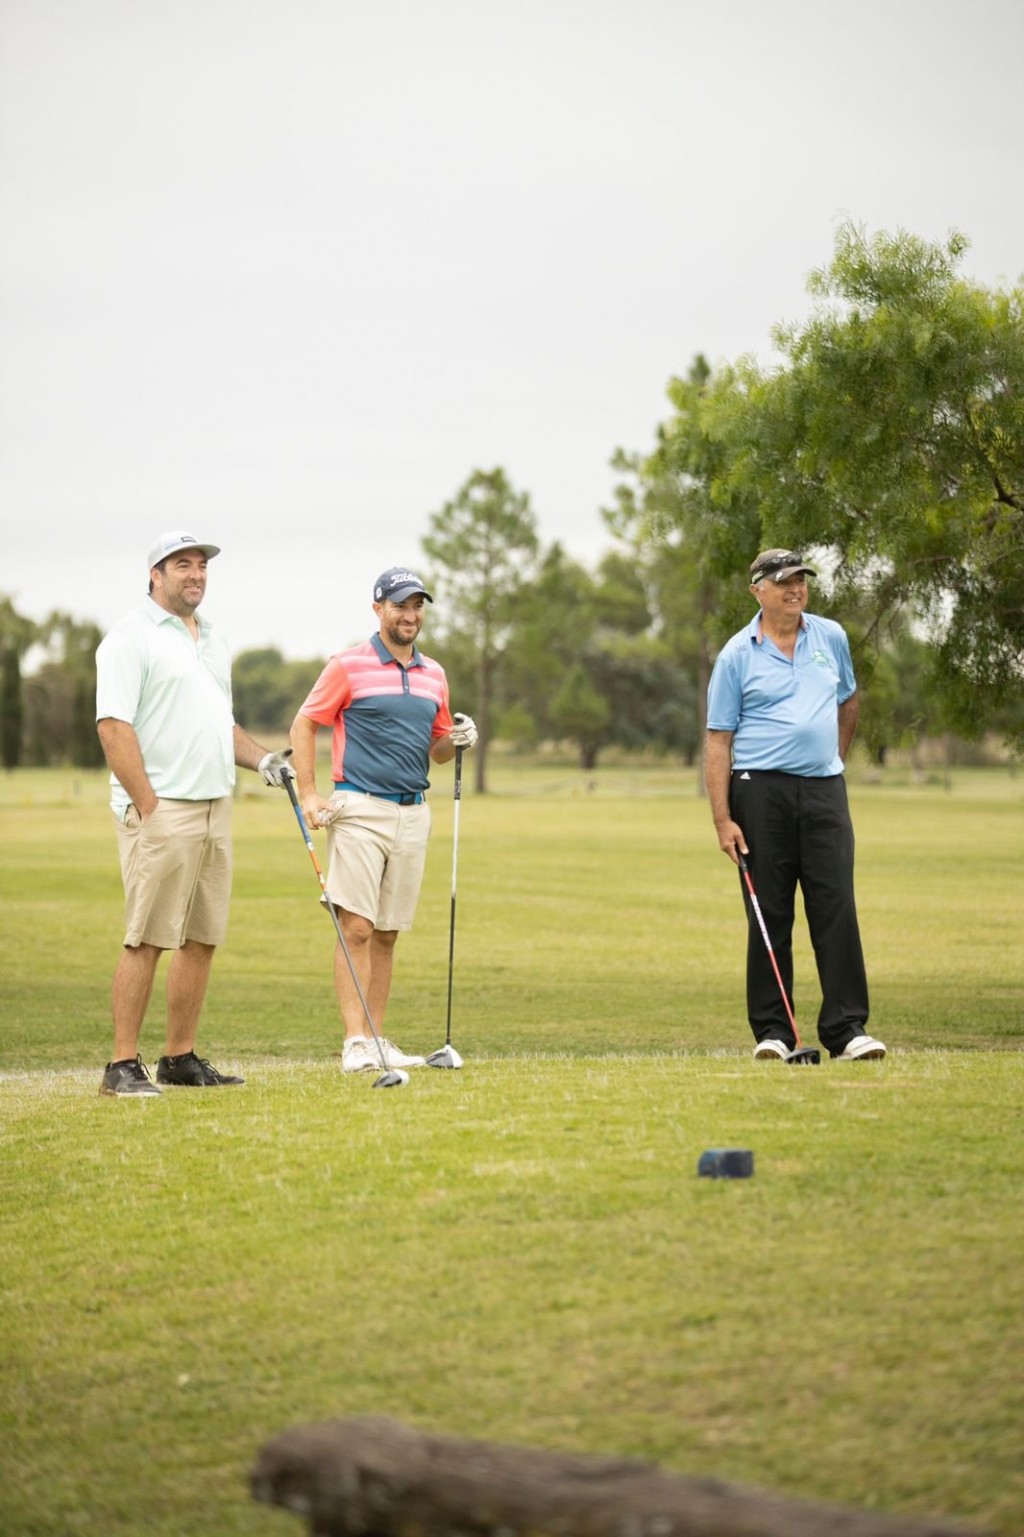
384 715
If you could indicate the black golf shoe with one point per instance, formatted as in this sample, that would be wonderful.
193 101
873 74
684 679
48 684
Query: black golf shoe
192 1072
127 1078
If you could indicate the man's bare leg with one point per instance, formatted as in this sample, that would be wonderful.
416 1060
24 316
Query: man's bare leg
187 978
133 987
358 934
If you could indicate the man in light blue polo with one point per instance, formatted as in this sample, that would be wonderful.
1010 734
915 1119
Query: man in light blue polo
782 713
164 718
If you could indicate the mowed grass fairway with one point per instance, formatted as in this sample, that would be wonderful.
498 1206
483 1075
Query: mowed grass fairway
521 1250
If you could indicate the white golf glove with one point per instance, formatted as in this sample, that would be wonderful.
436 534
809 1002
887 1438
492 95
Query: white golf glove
463 732
275 768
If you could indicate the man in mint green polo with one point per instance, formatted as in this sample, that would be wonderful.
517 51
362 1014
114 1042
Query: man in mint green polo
164 718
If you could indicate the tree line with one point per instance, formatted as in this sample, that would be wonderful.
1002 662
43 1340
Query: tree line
886 445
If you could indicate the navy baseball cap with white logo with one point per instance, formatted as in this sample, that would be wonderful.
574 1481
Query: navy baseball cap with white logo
396 584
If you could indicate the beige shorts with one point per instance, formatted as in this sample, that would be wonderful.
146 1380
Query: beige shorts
376 854
176 871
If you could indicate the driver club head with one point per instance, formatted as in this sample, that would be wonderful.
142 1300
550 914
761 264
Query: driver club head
805 1056
447 1056
395 1079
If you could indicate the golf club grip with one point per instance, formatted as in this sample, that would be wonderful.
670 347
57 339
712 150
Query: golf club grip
289 784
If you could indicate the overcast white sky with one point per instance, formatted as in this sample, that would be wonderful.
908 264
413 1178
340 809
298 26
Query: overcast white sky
285 272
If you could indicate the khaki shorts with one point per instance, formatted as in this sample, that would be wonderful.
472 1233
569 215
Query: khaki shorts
376 854
177 873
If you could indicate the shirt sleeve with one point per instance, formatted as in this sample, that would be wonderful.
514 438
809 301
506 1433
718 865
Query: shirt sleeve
329 695
120 676
725 694
844 666
443 722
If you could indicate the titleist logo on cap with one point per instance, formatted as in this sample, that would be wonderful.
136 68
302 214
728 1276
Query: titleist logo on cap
397 583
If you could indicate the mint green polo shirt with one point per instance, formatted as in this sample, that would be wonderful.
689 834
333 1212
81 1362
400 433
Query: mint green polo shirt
175 693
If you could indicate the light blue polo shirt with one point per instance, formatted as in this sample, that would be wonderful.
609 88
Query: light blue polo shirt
175 693
783 713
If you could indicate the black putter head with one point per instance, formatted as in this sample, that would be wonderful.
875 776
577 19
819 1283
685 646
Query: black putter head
394 1079
805 1056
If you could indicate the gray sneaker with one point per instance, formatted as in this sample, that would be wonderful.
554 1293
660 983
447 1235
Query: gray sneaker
192 1072
129 1077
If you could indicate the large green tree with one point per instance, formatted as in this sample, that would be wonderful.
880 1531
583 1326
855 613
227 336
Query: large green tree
891 441
15 629
60 694
483 547
650 699
583 665
17 635
690 530
12 709
266 690
583 713
75 643
556 615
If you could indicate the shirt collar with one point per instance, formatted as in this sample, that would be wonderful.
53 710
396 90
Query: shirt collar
754 627
386 656
157 614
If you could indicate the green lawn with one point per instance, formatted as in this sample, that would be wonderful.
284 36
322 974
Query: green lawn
521 1250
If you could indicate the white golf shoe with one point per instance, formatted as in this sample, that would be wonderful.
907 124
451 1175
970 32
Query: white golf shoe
771 1050
396 1058
862 1048
358 1056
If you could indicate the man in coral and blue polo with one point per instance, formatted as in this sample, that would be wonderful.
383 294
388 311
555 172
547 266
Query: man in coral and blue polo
387 706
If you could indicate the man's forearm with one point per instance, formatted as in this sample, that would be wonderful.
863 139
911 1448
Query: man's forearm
248 751
303 741
849 715
717 773
124 759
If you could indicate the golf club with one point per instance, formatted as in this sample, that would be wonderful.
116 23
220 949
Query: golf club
391 1078
447 1056
801 1055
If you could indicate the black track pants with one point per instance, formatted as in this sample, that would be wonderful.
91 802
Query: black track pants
799 832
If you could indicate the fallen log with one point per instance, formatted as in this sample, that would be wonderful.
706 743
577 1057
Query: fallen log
375 1477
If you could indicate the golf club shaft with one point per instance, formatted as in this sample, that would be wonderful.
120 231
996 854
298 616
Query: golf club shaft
289 780
755 904
455 865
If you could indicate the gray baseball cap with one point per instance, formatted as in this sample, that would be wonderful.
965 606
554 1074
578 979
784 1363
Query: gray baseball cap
177 539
